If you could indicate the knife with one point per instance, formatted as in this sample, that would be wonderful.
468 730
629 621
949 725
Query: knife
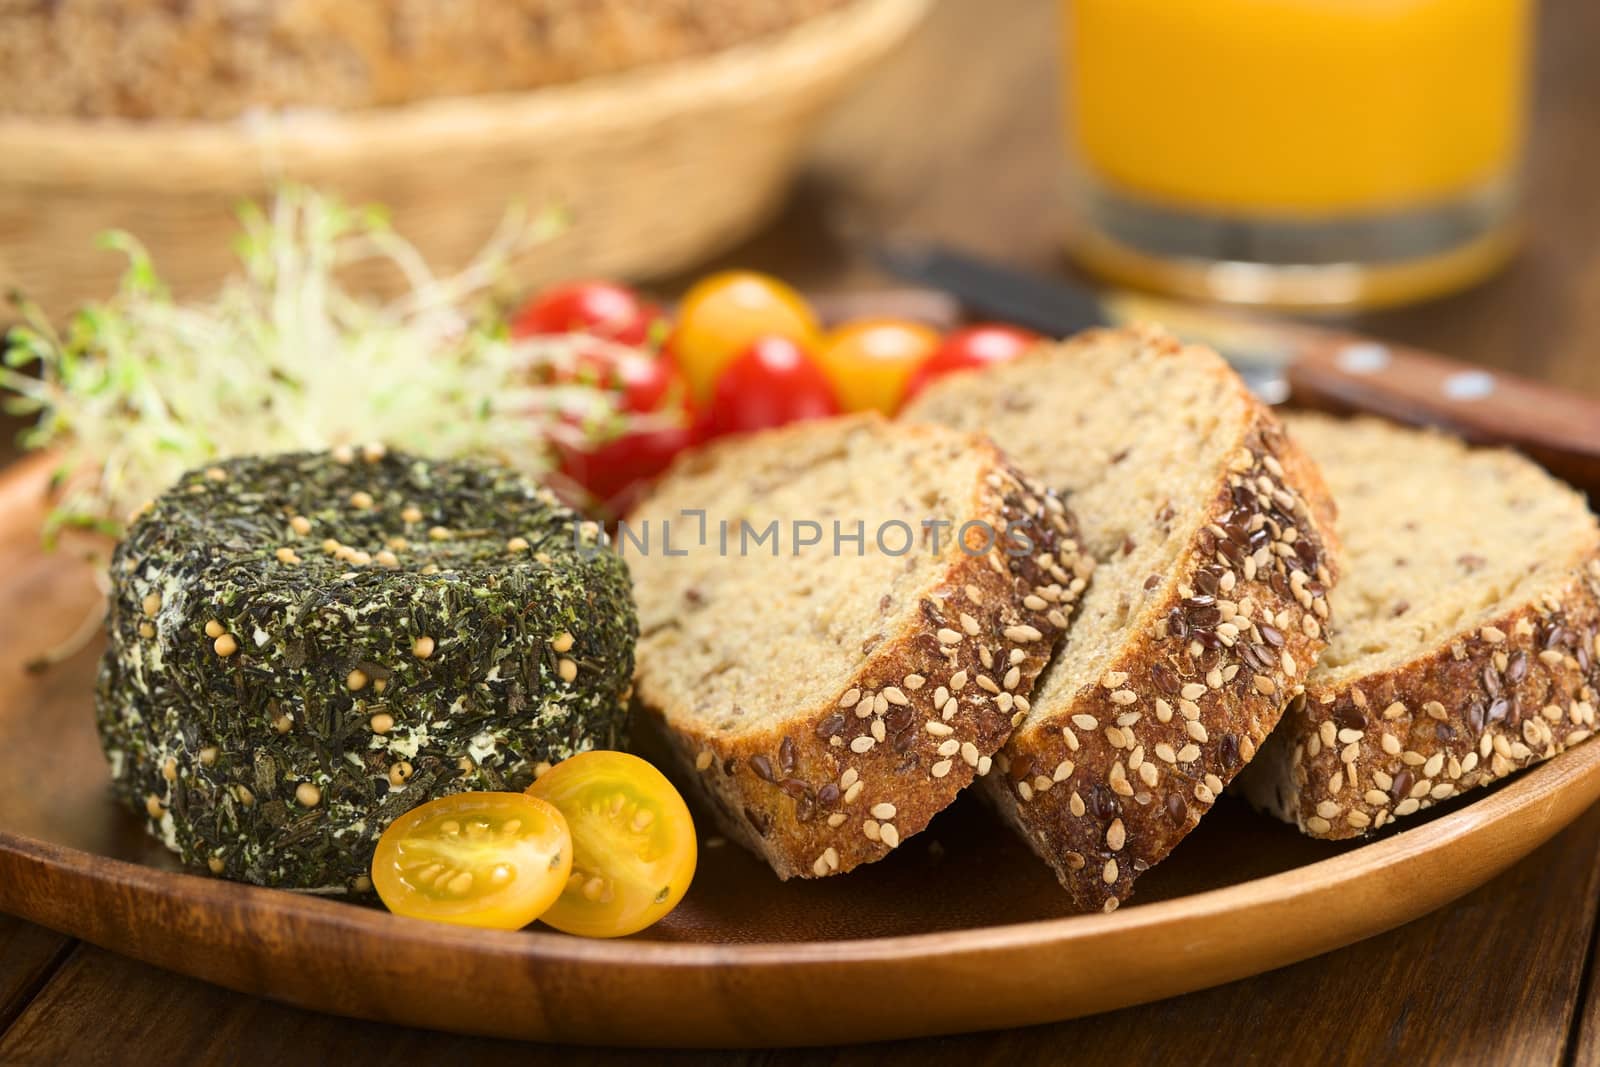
1306 366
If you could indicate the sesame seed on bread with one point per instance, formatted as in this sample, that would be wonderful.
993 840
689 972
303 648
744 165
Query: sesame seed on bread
1207 608
829 699
1469 616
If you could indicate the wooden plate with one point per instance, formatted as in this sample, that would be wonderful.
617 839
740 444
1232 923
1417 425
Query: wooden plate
959 930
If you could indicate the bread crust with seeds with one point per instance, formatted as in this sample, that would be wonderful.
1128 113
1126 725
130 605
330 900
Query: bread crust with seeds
1514 687
1111 772
861 768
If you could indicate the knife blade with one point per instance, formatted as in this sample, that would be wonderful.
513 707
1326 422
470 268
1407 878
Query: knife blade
1307 366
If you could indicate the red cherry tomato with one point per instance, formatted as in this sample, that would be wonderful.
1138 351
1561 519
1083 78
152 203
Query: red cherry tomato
643 379
770 383
651 392
604 309
615 473
972 348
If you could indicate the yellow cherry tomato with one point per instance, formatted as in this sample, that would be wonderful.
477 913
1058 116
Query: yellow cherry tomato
724 313
494 860
869 362
633 843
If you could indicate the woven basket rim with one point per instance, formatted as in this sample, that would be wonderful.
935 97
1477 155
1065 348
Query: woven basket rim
786 62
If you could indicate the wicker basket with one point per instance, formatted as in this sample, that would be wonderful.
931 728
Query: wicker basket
657 167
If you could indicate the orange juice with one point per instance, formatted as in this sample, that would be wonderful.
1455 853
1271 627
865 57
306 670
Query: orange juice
1305 111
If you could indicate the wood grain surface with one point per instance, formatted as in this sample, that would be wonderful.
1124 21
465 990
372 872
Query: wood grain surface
28 956
957 138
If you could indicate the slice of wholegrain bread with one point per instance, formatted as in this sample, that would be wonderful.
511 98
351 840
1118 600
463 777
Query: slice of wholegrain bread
1468 618
830 698
1207 605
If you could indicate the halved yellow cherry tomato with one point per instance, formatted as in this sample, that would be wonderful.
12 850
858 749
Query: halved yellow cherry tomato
869 362
724 313
633 843
495 860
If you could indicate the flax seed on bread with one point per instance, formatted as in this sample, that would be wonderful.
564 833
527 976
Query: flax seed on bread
1206 609
1469 616
829 701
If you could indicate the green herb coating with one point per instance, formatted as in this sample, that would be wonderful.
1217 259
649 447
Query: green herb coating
305 646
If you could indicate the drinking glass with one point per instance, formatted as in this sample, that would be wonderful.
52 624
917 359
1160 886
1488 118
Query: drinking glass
1295 153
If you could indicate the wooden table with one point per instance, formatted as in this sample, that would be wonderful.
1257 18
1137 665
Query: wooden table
957 139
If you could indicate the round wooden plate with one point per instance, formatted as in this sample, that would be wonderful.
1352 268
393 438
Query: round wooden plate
961 929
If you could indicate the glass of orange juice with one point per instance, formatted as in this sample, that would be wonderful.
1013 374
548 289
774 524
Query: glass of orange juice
1296 153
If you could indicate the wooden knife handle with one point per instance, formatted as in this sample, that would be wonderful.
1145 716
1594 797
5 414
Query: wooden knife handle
1345 373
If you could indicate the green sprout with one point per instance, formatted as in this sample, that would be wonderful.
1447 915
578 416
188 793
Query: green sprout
289 355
